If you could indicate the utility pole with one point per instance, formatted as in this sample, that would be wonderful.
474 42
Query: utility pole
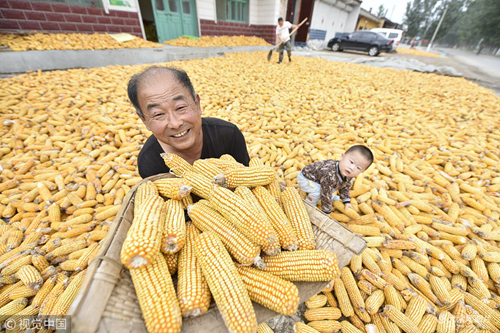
437 29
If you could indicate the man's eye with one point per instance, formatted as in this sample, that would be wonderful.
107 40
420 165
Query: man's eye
158 115
180 108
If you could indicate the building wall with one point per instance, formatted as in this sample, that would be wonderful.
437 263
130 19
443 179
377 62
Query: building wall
328 19
262 20
206 9
365 23
17 16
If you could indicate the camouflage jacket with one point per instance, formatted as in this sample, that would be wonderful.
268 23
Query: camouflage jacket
327 175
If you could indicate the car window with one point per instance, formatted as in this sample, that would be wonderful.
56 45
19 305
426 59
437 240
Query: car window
383 33
393 35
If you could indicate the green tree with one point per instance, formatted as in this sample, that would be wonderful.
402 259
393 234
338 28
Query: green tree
413 17
381 11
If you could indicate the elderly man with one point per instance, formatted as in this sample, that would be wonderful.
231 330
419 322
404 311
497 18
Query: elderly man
166 102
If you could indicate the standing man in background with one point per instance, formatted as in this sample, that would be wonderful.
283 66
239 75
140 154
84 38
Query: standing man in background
282 36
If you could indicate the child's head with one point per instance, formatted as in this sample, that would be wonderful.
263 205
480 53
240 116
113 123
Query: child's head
355 160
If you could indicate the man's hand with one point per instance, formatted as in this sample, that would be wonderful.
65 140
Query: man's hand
347 206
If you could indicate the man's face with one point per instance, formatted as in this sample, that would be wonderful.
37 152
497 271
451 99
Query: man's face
280 23
170 111
352 164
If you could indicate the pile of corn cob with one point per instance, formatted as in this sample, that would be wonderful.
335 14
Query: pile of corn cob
245 216
405 50
79 124
214 41
60 41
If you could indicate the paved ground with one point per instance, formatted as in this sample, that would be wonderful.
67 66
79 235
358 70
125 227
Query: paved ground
483 69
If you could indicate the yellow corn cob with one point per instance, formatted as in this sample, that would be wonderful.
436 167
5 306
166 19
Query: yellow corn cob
304 265
202 185
299 327
143 192
229 293
67 249
68 265
400 319
246 194
39 262
15 238
172 262
192 289
370 263
30 277
423 286
12 308
248 176
352 290
492 315
163 314
15 264
416 309
323 326
325 313
207 167
186 201
373 279
264 328
22 292
343 298
331 298
241 248
174 230
347 327
374 301
316 301
296 212
440 290
275 189
446 322
176 164
173 188
428 323
494 272
366 287
144 236
249 221
270 291
280 222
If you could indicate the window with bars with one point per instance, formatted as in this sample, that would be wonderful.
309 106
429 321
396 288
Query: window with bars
232 10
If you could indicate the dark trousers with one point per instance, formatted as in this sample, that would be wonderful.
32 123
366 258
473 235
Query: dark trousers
285 46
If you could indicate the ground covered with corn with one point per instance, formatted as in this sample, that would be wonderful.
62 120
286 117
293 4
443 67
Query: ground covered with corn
214 41
60 41
416 52
428 207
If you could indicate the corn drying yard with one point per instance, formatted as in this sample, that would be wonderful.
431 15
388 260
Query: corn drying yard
428 207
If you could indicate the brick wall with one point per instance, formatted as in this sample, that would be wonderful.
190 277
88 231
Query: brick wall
210 28
24 16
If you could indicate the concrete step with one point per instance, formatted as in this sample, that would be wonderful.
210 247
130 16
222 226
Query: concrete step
19 62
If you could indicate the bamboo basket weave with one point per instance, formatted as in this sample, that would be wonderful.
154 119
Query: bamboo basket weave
106 301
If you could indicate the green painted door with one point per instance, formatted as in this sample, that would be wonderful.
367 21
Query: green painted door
175 18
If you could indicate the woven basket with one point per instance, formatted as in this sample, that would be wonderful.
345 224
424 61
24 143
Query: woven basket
107 301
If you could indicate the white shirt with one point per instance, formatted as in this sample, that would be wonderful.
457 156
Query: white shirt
283 31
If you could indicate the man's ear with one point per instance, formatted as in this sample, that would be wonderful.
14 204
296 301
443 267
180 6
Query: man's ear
198 104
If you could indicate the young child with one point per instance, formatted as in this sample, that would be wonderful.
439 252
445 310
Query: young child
321 179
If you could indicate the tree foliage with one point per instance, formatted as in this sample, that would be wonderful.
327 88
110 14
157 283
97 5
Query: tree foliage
381 11
466 21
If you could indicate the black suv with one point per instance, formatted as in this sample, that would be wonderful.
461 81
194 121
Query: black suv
369 41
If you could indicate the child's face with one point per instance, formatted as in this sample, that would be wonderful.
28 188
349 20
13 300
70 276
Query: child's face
352 164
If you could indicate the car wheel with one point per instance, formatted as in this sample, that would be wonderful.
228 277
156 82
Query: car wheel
335 47
373 51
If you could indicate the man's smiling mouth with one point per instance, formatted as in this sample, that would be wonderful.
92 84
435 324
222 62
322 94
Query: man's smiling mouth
180 135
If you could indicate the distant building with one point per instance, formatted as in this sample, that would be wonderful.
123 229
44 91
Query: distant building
325 18
386 23
367 20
